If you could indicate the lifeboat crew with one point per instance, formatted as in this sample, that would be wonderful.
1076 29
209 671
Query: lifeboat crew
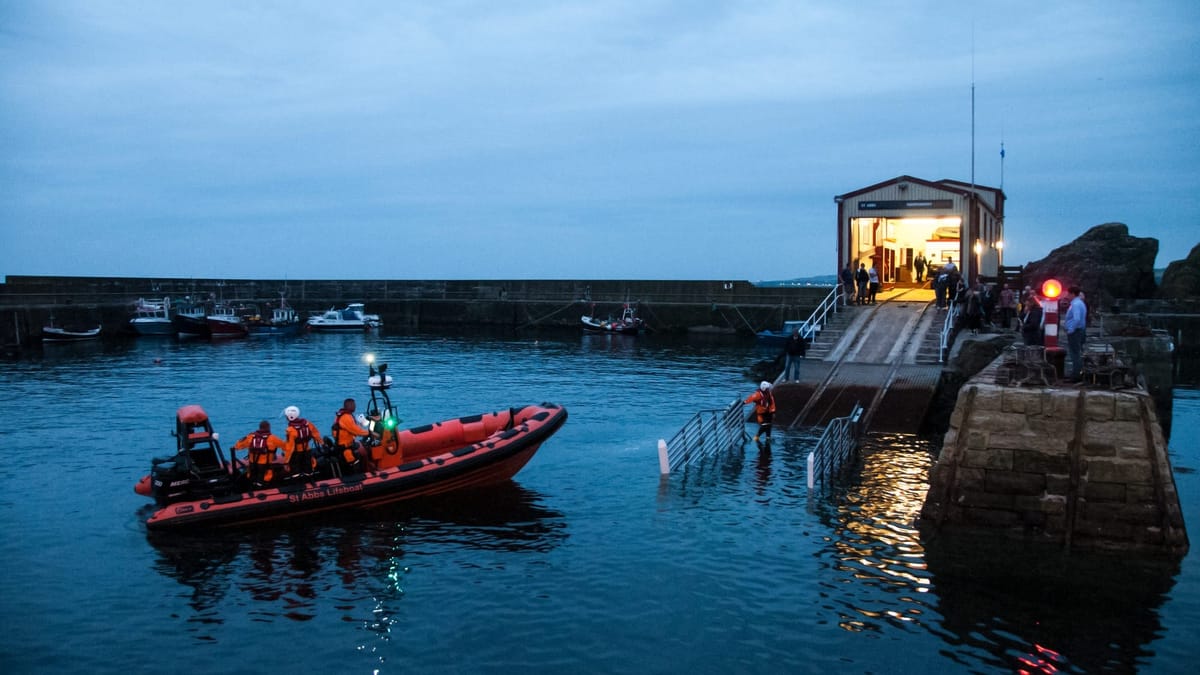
261 445
764 409
301 436
346 431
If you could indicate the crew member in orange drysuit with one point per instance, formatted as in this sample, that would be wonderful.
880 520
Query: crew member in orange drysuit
764 408
301 435
261 446
346 432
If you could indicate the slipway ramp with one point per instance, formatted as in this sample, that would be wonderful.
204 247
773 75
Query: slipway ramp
887 360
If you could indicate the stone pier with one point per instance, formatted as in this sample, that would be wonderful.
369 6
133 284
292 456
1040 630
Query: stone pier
1079 466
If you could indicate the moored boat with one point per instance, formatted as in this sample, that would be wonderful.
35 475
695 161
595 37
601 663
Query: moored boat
190 319
627 324
351 318
152 318
283 321
224 321
200 488
778 338
69 333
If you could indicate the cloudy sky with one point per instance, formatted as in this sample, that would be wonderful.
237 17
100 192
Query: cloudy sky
553 139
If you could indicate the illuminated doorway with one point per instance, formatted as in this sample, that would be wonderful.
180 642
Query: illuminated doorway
891 245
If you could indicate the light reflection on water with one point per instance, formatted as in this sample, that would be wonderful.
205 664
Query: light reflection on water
586 562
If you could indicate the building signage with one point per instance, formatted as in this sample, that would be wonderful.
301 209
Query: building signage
901 204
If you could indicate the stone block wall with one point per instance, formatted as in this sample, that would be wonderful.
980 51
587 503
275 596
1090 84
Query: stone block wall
1085 468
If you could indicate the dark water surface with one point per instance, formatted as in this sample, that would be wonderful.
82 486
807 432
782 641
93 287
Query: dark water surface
585 563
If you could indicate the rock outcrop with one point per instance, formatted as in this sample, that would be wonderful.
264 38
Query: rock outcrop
1181 280
1106 262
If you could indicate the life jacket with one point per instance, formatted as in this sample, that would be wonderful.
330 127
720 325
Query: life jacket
347 448
765 402
303 432
337 428
260 448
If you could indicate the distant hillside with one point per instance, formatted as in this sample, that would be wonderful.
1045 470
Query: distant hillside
823 280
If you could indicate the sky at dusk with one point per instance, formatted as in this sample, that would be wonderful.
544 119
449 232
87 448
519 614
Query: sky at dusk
536 139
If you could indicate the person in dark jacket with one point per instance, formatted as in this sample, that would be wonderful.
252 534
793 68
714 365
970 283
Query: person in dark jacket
794 350
1031 320
847 278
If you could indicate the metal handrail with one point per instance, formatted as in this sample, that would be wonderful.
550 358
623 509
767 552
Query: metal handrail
819 316
947 330
836 447
708 432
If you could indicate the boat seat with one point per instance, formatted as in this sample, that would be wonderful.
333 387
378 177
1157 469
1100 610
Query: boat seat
205 460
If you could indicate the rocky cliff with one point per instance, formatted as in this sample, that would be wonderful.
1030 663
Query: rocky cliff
1106 262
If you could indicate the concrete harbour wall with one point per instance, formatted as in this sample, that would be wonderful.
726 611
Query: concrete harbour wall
1083 468
26 302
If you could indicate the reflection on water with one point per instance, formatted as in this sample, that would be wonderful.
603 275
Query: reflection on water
1018 606
284 568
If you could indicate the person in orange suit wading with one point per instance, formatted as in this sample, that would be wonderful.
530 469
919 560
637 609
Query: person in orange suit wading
764 409
261 446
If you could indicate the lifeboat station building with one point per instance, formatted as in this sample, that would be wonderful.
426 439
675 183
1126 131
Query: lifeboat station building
889 224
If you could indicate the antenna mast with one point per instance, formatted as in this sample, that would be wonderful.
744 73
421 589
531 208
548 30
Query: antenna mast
972 104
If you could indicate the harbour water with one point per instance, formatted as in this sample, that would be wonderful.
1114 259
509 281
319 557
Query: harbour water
587 562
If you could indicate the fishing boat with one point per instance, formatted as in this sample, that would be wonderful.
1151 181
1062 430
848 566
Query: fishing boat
351 318
69 333
152 318
283 321
190 319
627 324
199 488
224 321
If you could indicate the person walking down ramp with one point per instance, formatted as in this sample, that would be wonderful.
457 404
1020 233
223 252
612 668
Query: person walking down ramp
764 409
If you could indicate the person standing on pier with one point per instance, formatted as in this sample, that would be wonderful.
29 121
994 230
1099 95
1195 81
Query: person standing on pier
873 281
1008 307
1075 323
847 278
764 409
861 277
793 351
1031 319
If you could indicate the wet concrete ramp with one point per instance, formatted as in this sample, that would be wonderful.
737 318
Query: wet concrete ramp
879 363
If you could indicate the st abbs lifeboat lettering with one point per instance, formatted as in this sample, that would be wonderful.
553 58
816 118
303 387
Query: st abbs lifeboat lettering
322 492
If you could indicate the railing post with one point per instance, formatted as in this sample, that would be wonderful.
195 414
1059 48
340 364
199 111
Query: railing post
664 466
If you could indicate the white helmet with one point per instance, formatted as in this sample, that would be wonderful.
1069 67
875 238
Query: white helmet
765 385
291 412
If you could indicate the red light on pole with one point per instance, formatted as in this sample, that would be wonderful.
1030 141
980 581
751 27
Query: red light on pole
1051 289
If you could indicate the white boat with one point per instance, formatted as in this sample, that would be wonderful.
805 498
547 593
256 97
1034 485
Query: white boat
52 333
349 319
152 318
